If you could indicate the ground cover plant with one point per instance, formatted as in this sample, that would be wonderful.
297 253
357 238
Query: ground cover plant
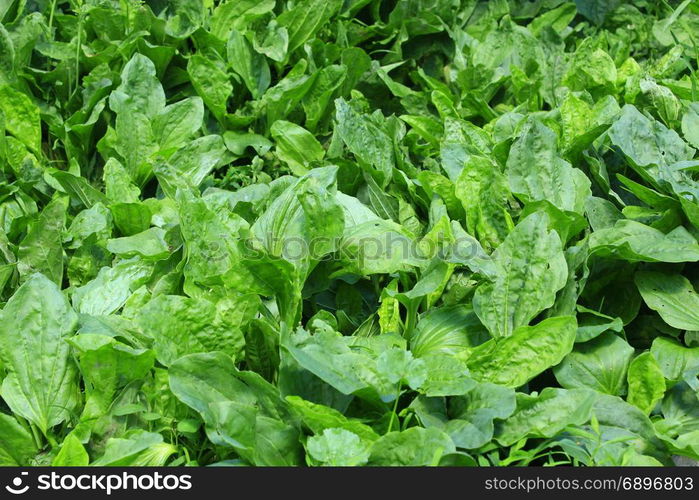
349 232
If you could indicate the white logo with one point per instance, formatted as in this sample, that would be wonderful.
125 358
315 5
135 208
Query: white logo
17 483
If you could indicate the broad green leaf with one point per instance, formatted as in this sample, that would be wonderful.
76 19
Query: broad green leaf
536 172
319 418
140 90
36 322
398 366
108 365
448 330
674 359
181 325
305 221
237 15
680 410
149 244
240 409
636 242
600 364
71 454
41 251
188 167
17 446
176 123
338 447
646 382
112 287
530 268
22 117
366 137
296 146
514 360
672 296
468 419
649 145
485 197
690 124
138 448
250 65
545 414
211 83
306 18
445 375
413 447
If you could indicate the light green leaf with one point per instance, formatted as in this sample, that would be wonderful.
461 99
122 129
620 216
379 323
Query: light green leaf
672 296
674 359
182 325
21 117
338 447
630 240
413 447
545 414
35 324
296 146
514 360
71 454
250 65
41 251
536 172
530 268
600 364
17 446
646 382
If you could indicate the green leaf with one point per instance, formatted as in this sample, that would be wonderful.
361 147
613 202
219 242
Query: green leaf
319 418
112 287
546 414
21 117
485 196
647 143
646 382
536 172
41 251
600 364
448 330
530 268
240 409
690 124
672 296
635 242
250 65
71 454
468 419
138 448
176 123
17 446
398 366
211 83
414 447
338 447
296 146
108 365
673 358
514 360
140 90
306 18
181 325
365 137
36 322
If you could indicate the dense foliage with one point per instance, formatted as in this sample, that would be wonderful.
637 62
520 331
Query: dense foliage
348 232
